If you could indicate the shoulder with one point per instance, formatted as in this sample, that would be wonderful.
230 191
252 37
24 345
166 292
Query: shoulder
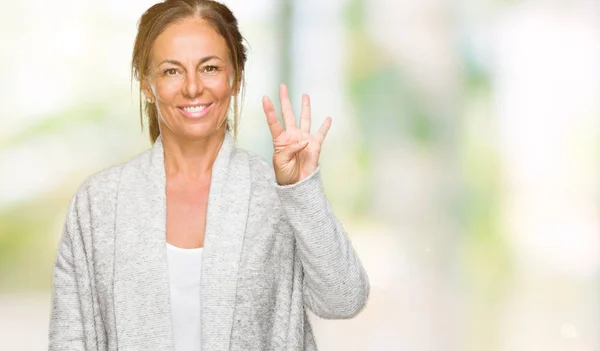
103 185
261 171
97 193
106 179
264 206
262 182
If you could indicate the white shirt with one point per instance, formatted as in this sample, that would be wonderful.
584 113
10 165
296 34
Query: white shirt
184 284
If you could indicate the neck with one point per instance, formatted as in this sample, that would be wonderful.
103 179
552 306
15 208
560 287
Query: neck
191 160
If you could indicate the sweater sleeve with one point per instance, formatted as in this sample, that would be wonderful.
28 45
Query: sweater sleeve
71 301
336 285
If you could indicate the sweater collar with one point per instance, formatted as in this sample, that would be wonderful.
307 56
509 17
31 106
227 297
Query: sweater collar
141 281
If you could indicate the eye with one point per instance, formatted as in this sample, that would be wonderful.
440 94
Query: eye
170 72
210 69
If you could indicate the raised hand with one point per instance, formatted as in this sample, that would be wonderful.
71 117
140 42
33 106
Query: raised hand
295 151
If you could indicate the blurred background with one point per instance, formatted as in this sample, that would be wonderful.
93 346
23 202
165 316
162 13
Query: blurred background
463 159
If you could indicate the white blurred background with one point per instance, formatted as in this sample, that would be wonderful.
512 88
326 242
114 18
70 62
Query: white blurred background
463 159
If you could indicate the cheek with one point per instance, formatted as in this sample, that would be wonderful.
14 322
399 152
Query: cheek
219 85
167 90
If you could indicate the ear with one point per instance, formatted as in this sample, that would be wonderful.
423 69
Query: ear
236 86
148 94
233 80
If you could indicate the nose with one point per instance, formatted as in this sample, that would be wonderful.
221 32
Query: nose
193 86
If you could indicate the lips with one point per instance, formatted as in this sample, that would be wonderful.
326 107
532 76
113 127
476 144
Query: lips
195 111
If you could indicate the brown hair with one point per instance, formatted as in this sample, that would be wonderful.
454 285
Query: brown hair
157 18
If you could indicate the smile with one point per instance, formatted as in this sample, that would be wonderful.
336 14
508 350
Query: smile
195 111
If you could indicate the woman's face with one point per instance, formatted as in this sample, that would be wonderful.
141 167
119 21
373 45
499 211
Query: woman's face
191 78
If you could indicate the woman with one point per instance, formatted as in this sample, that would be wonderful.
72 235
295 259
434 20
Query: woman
196 244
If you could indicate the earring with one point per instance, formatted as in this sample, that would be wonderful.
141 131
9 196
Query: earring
149 100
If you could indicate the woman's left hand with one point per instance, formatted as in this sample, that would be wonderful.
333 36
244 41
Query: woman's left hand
296 152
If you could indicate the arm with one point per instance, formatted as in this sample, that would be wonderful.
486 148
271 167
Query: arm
335 283
66 330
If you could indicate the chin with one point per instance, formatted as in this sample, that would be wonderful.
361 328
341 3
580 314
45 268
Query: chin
202 132
193 131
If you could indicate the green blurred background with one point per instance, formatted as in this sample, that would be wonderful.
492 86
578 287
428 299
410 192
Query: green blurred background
463 158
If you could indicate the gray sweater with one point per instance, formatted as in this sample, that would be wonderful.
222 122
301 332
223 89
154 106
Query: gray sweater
270 251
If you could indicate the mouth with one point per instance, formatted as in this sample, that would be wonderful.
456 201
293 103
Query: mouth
195 110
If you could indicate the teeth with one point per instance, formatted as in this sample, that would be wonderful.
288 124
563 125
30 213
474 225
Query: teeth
194 109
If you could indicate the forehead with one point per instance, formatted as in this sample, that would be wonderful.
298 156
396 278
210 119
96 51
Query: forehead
190 39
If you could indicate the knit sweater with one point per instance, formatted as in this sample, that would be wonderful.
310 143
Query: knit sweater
270 252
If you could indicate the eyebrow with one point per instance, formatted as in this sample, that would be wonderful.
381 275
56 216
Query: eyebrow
202 60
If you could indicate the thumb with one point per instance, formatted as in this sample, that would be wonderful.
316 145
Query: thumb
291 150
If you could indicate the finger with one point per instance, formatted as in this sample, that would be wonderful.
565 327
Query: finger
305 114
322 133
272 120
289 152
286 107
